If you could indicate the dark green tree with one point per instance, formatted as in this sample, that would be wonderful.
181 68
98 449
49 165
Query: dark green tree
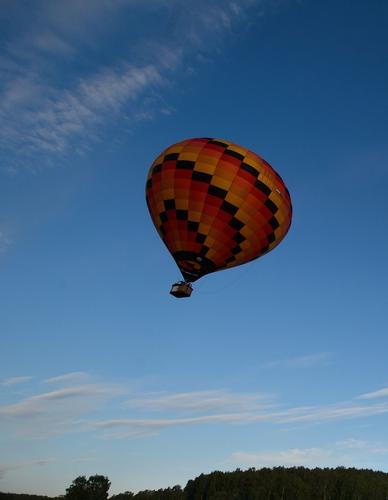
94 488
78 490
98 487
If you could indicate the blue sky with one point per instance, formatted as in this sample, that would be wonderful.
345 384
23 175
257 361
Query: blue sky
280 362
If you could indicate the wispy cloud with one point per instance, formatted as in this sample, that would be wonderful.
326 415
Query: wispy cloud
83 408
351 452
287 458
381 393
5 242
253 413
68 378
126 427
16 380
306 361
135 427
57 412
42 403
52 125
336 412
200 401
5 468
52 43
48 104
231 409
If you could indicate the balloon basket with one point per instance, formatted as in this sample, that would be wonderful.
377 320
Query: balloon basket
181 290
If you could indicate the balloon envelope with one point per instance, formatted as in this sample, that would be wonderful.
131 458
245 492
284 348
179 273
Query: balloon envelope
216 205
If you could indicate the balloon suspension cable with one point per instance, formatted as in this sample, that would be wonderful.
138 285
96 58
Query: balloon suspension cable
181 289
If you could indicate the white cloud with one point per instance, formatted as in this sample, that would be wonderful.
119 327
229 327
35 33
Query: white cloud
19 92
52 43
5 468
58 120
57 412
351 453
68 377
40 112
337 412
287 458
5 242
305 361
381 393
45 402
83 407
132 427
249 411
16 380
199 401
368 447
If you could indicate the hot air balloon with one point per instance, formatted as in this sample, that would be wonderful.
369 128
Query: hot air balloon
215 205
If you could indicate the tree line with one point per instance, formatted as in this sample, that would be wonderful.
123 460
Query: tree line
278 483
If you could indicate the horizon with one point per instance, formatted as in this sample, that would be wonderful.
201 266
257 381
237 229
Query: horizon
238 470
